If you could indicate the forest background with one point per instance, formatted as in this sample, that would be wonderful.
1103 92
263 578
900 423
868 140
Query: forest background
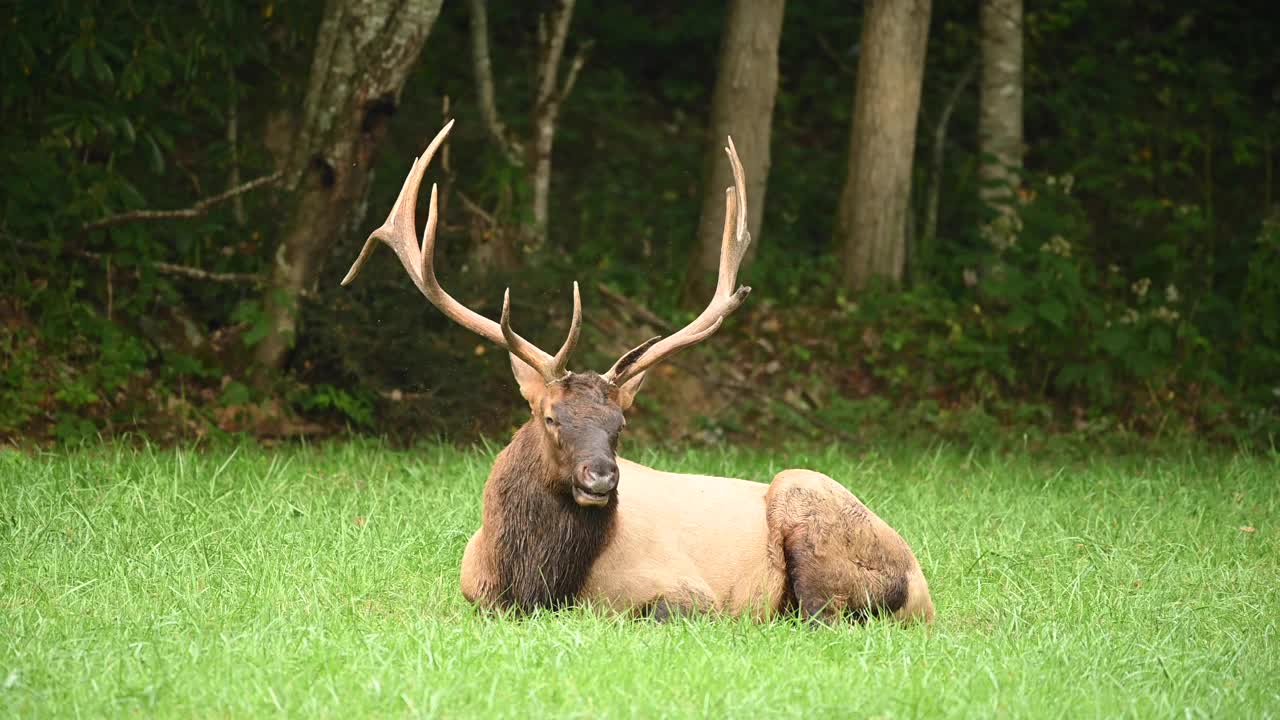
982 222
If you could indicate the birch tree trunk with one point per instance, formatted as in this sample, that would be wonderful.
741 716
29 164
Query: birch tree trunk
741 106
550 92
553 29
364 51
1000 116
871 223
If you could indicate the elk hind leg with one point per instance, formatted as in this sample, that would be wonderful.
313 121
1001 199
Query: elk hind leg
841 560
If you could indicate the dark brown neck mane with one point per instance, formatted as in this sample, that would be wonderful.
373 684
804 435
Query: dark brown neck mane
544 543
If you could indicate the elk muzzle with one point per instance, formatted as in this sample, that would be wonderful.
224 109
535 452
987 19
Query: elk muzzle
594 482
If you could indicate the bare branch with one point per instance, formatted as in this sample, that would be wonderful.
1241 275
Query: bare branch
474 209
579 59
445 114
166 268
939 146
640 311
483 68
233 143
552 51
840 61
200 208
196 273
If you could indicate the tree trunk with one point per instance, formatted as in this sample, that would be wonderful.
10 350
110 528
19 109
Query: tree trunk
1000 117
553 29
544 135
872 217
364 51
550 93
741 107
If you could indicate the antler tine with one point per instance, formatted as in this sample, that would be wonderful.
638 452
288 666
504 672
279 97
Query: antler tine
400 233
733 247
523 349
560 364
427 255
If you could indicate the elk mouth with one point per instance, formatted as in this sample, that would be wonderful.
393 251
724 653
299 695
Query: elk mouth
595 481
586 498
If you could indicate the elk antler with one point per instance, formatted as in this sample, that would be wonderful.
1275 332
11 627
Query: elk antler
399 232
733 246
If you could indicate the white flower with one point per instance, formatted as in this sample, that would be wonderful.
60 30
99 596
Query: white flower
1170 294
1141 287
1002 232
1057 245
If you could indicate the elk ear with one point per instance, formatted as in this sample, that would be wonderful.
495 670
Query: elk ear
532 386
627 393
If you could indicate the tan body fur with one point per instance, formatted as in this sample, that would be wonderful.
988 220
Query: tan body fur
715 544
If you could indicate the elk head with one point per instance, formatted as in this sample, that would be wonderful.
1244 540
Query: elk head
577 416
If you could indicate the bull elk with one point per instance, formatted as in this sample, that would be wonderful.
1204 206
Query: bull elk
566 520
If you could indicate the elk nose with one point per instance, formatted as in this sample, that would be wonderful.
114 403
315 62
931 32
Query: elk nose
601 476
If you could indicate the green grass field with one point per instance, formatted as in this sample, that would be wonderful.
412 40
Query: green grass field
323 582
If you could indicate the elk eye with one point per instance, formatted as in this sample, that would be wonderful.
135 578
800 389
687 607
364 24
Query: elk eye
551 422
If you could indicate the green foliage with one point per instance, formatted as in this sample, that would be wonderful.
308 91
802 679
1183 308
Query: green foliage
250 313
1171 143
1041 333
109 109
19 362
1137 287
235 393
74 387
356 409
1068 324
1259 312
